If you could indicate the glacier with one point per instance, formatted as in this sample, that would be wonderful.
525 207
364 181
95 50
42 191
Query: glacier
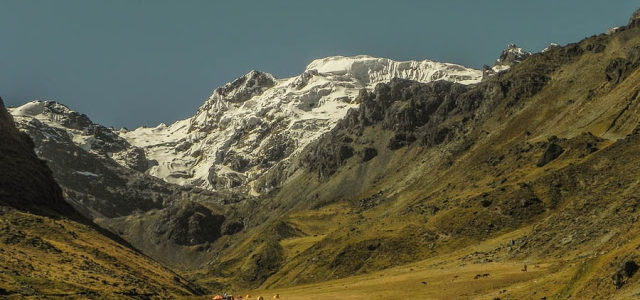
256 121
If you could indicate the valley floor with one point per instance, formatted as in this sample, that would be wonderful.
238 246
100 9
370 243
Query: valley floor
465 274
422 281
458 275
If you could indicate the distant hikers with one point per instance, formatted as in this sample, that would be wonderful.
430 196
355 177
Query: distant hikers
524 269
276 296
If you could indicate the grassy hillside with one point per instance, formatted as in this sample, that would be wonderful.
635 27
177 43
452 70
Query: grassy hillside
536 165
57 257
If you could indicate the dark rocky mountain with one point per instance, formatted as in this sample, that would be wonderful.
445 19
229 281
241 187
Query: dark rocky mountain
26 181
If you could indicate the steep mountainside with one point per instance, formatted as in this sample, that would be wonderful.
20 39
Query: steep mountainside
361 164
257 121
47 249
538 164
119 197
102 171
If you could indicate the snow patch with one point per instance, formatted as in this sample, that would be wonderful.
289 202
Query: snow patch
86 173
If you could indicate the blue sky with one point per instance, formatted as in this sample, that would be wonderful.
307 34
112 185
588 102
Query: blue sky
132 62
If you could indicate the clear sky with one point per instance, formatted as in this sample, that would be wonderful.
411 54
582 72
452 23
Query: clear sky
132 62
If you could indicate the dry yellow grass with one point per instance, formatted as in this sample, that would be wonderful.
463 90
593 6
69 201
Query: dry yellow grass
420 282
47 257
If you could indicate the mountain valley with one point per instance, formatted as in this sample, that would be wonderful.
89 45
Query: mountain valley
432 180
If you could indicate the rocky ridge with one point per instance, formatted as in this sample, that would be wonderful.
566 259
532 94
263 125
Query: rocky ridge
257 121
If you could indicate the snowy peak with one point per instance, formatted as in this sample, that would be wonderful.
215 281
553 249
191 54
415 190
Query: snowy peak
51 111
509 57
54 119
245 87
236 92
512 55
258 122
246 127
371 70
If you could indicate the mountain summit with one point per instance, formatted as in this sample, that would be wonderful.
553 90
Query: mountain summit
256 122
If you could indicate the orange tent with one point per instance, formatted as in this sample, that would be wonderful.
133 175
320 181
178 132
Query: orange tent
217 297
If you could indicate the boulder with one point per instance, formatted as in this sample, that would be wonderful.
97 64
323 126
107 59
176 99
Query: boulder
552 152
368 154
619 68
624 273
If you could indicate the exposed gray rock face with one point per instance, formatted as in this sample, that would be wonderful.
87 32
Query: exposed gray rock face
257 122
432 114
412 110
89 136
619 68
304 78
509 57
189 224
400 140
512 55
226 180
635 18
63 115
26 182
245 87
95 183
134 158
240 90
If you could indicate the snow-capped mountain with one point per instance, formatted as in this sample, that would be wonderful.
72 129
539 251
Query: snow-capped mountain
53 119
510 56
85 134
101 176
249 125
